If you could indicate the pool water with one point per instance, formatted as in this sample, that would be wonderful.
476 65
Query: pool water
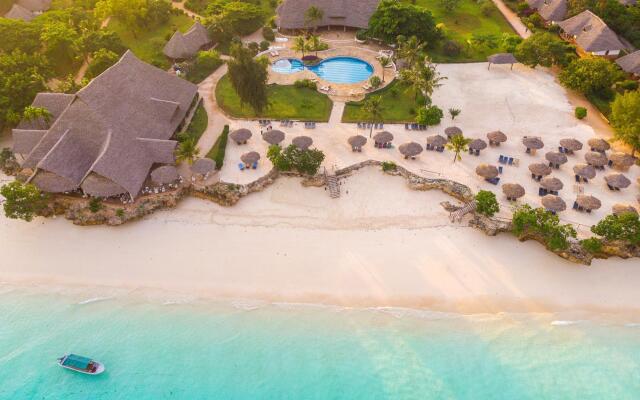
335 70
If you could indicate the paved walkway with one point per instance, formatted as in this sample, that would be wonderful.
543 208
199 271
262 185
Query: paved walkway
513 19
336 112
217 119
180 6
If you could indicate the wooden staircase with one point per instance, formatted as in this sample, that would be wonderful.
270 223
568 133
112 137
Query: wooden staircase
332 184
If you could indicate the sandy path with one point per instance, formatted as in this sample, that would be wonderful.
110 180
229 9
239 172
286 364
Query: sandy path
513 19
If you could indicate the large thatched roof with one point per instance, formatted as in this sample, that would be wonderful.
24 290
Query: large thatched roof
98 186
553 10
52 183
591 33
302 142
250 157
383 137
571 144
596 159
27 10
588 202
598 144
437 140
551 183
478 144
410 149
617 181
181 47
487 171
497 137
273 136
630 63
203 166
357 141
118 126
539 169
556 157
452 131
532 142
164 175
240 135
553 203
584 170
513 190
350 13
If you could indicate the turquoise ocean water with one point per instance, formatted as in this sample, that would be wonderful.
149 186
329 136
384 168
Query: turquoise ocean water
155 349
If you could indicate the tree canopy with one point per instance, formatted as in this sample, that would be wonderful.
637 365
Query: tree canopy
22 201
625 227
486 203
590 75
527 220
625 118
292 158
543 49
249 78
393 18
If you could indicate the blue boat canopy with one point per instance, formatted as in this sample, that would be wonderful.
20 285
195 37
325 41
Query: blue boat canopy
76 361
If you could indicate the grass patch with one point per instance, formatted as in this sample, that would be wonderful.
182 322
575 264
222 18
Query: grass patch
461 24
200 6
148 43
219 148
603 104
398 103
285 102
198 125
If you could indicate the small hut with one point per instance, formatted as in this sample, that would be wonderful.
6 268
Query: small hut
250 159
452 131
532 143
556 159
241 136
584 172
273 137
487 171
553 203
496 137
302 142
501 59
383 139
357 142
436 142
410 150
570 145
621 161
551 185
617 181
587 203
597 159
476 145
619 209
513 191
538 170
599 145
164 175
203 167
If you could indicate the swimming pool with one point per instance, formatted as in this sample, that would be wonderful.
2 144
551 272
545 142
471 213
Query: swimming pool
335 70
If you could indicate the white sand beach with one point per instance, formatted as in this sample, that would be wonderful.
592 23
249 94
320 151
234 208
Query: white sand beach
381 244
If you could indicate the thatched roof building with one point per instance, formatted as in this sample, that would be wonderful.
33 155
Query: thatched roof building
273 136
27 10
551 11
302 142
630 63
345 13
588 202
617 181
591 34
185 46
164 175
551 183
117 127
513 190
553 203
487 171
410 149
240 135
584 170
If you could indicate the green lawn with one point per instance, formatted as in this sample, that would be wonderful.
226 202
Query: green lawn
219 148
285 102
398 103
148 44
467 19
198 125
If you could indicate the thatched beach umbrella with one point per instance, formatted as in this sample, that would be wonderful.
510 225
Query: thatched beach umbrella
452 131
487 171
513 190
436 141
584 171
502 58
621 161
532 142
571 144
250 157
556 158
553 203
598 144
203 166
596 159
478 144
240 136
617 181
539 169
383 137
551 183
619 209
496 137
410 149
588 202
302 142
273 136
357 142
164 175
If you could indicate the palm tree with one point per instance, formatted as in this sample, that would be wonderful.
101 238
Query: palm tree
385 62
424 78
458 144
314 43
313 16
300 44
187 151
373 107
411 50
454 112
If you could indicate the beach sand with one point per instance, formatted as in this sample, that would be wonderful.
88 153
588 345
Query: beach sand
381 244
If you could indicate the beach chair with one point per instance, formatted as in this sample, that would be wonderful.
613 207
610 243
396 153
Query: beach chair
255 165
500 169
440 149
510 161
540 192
429 147
241 166
502 159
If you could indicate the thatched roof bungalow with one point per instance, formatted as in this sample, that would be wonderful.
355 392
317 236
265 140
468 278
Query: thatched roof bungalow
630 63
343 13
27 10
186 46
592 35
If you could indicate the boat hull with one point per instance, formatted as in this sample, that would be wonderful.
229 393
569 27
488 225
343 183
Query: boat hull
99 369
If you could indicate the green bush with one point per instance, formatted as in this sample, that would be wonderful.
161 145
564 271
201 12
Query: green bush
267 33
306 83
451 48
429 116
627 85
362 34
487 8
264 45
22 200
219 148
527 220
95 205
592 245
375 81
580 112
292 158
120 213
205 63
624 227
389 166
486 203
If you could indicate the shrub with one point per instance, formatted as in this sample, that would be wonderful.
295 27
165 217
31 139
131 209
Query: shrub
580 112
527 220
362 34
292 158
486 203
95 205
522 7
451 48
264 45
487 8
219 148
305 83
429 116
375 81
624 227
267 33
22 200
389 166
120 213
627 85
254 47
590 75
592 245
205 63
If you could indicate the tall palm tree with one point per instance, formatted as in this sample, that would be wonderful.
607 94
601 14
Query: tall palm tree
300 44
373 107
385 62
313 44
187 151
313 16
412 50
458 144
424 78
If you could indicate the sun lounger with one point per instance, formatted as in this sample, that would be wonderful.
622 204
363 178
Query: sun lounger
500 169
241 166
255 165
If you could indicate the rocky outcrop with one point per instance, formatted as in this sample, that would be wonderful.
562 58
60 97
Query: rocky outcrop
228 194
618 248
8 163
490 226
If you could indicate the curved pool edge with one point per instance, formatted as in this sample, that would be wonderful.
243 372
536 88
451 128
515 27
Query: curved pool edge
361 77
